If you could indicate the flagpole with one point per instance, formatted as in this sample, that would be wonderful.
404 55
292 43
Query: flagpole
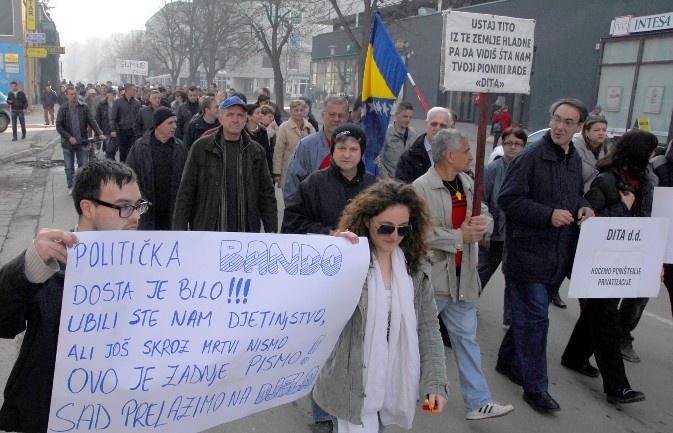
418 92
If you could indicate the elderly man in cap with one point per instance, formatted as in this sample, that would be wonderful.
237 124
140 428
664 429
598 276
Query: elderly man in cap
226 184
323 195
159 158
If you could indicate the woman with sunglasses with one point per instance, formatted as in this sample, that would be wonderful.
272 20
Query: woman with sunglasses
390 349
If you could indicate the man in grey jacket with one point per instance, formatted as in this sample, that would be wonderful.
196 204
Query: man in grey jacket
448 190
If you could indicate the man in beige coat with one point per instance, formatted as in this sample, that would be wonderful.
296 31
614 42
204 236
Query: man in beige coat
448 190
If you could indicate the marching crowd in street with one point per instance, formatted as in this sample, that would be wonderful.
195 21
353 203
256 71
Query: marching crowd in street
209 159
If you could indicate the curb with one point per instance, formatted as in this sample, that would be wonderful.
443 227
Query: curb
27 152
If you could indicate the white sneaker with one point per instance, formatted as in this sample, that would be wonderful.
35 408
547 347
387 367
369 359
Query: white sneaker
69 191
490 410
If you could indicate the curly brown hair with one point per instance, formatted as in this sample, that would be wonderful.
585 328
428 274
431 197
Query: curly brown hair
379 197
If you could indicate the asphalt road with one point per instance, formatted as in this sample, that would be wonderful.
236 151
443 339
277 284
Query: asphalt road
33 195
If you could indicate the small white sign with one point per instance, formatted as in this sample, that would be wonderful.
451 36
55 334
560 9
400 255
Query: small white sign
132 67
487 53
662 207
619 258
12 68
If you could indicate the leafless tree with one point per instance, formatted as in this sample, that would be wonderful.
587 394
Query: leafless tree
274 23
125 46
166 37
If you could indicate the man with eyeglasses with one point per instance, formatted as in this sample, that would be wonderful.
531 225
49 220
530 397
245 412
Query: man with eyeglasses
448 191
313 152
323 195
490 250
106 197
416 160
542 197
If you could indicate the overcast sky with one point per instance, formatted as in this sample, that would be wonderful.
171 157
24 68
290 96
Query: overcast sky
77 20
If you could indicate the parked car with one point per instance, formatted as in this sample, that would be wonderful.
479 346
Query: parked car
4 113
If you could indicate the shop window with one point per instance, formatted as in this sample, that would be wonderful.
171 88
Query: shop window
621 52
614 94
7 17
658 49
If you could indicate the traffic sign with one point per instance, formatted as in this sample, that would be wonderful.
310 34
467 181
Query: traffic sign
52 49
36 52
36 38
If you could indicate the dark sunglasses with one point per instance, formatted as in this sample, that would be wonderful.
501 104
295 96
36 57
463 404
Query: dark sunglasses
389 229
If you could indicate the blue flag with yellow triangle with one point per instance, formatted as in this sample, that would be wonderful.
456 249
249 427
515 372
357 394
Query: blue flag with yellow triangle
383 78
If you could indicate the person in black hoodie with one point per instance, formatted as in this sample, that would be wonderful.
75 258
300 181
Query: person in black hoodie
323 195
621 189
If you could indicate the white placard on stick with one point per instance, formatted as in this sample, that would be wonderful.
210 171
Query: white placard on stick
487 53
619 258
662 207
183 331
132 67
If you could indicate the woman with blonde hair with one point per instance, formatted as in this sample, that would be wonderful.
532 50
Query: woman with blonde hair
390 350
289 134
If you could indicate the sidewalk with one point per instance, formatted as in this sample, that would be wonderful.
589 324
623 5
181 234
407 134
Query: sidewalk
38 137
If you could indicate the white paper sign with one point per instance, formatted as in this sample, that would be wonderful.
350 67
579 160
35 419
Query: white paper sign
487 53
133 67
619 258
662 207
182 331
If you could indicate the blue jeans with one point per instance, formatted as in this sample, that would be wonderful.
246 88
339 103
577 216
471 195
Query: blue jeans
460 319
18 115
524 347
319 415
69 161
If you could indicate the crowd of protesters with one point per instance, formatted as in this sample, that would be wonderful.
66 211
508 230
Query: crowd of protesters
210 159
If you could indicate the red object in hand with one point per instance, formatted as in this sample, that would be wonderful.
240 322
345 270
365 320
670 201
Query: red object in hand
432 410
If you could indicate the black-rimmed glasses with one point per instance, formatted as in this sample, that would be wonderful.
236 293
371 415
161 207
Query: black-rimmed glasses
125 211
389 229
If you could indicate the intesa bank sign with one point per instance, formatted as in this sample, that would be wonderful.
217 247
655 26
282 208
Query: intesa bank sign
625 25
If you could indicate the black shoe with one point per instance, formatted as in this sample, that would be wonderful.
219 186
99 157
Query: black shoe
557 301
507 371
586 369
541 402
322 427
625 395
14 139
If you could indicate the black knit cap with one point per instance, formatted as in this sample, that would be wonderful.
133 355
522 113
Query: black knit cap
161 114
349 130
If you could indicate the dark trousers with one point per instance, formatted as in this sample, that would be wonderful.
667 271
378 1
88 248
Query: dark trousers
630 312
18 114
489 260
110 147
524 347
125 141
597 332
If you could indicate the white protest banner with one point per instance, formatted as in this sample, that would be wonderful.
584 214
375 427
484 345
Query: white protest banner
619 258
132 67
662 207
487 53
182 331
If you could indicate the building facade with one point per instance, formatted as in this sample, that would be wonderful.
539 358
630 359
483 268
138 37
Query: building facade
11 44
575 56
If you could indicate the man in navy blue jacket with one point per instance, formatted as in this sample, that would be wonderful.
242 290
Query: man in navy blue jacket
541 196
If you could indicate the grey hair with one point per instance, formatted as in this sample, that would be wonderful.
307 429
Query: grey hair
445 141
434 110
335 99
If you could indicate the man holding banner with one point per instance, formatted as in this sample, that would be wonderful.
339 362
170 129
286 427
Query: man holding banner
541 196
107 197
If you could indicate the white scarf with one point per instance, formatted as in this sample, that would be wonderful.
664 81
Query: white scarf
392 377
